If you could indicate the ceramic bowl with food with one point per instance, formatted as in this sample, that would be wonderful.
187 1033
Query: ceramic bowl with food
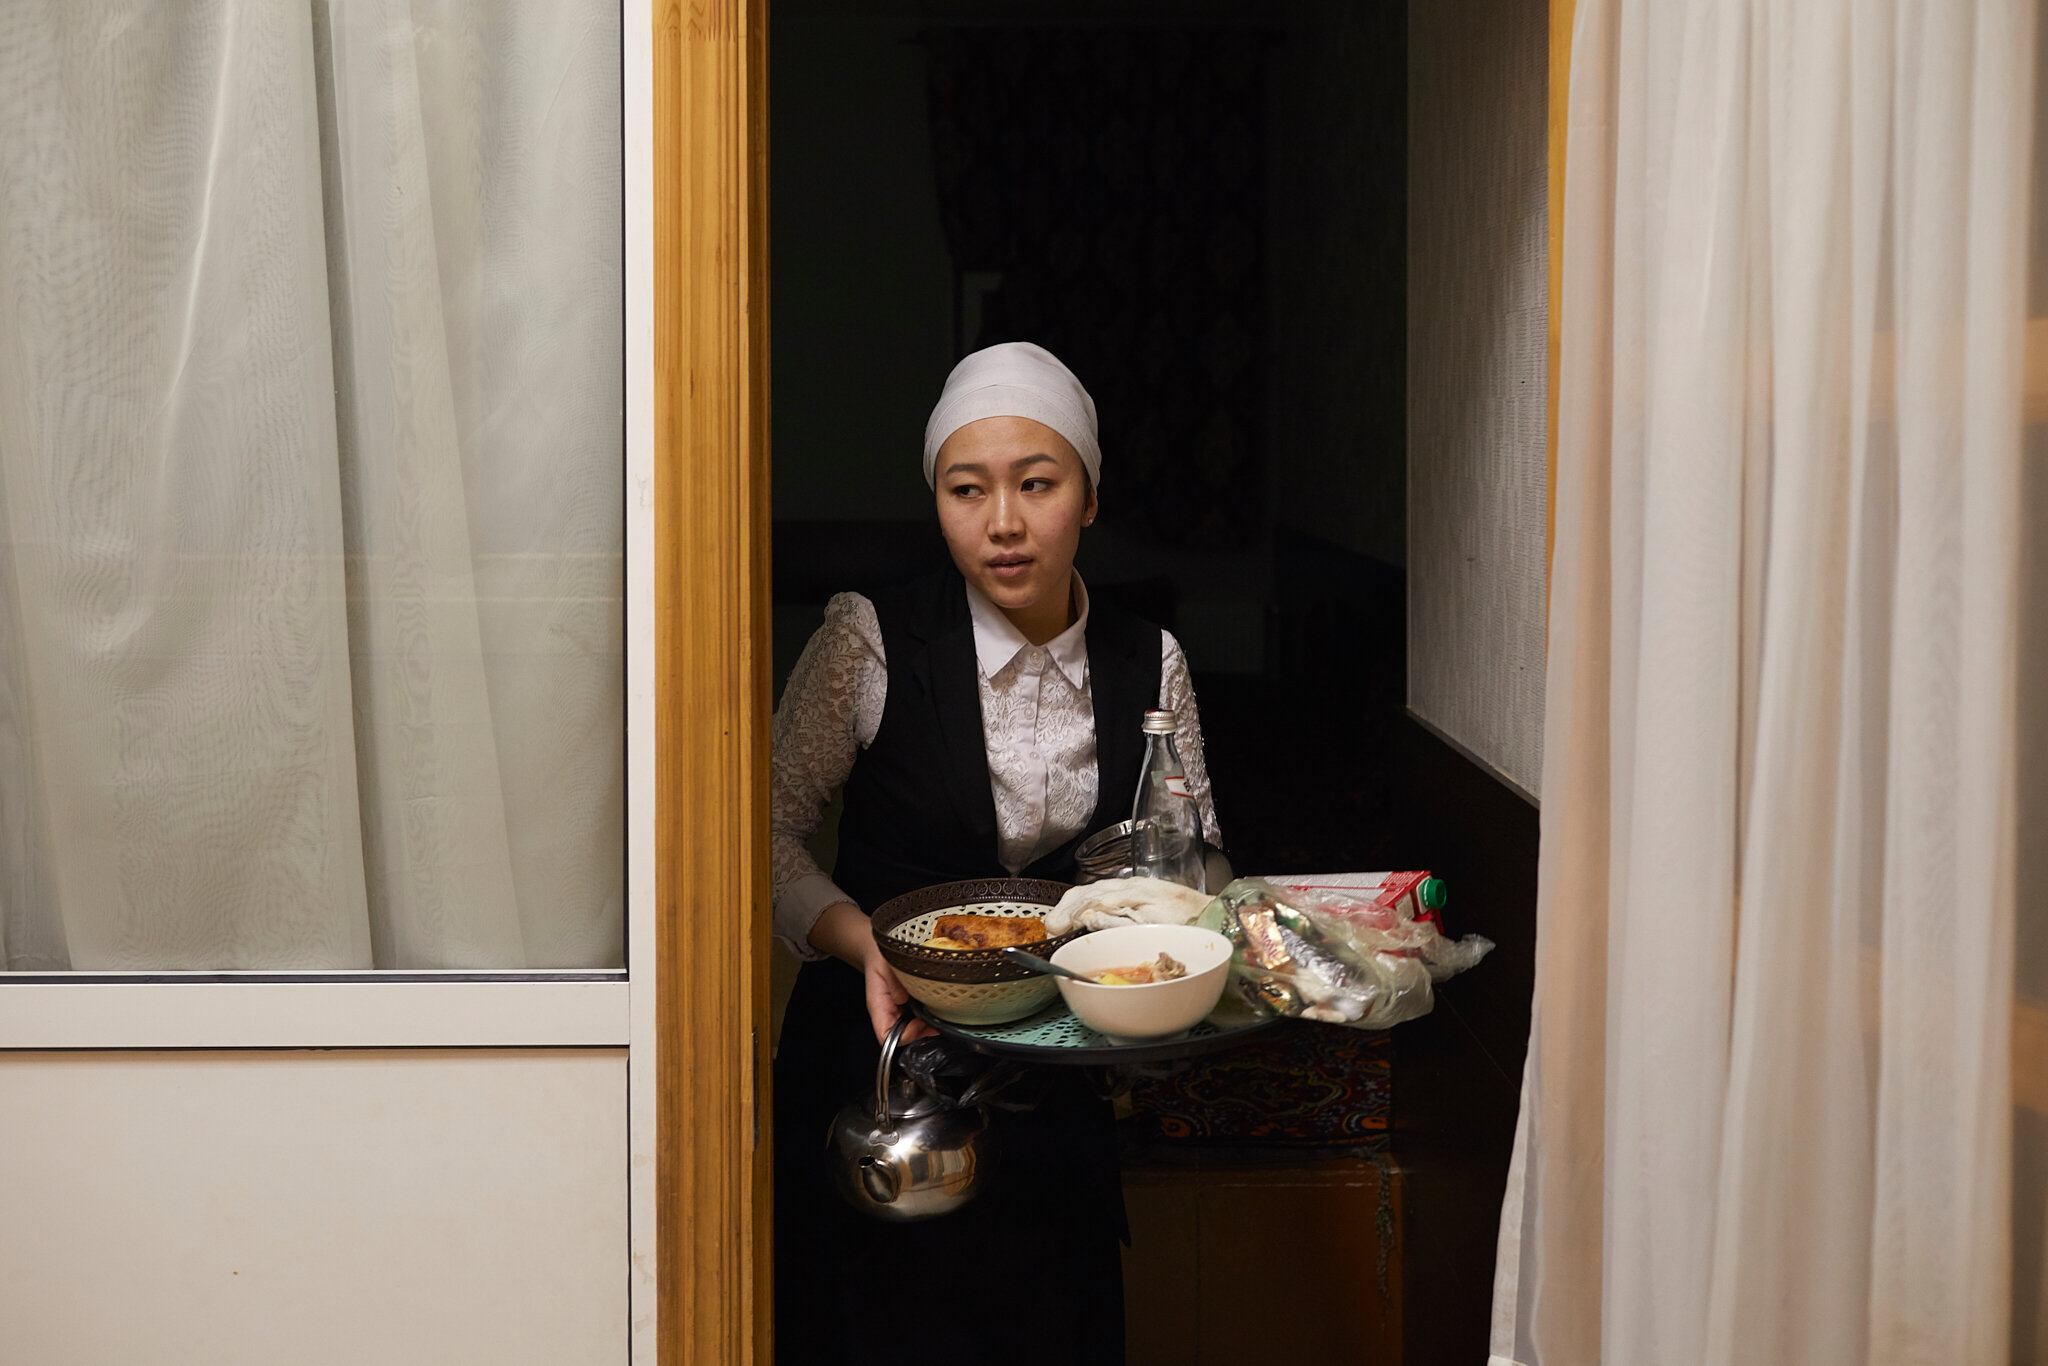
974 985
1159 1009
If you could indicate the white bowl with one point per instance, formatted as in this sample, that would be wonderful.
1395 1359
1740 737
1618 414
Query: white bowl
1156 1010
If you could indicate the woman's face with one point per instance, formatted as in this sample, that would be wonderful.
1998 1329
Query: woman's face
1013 497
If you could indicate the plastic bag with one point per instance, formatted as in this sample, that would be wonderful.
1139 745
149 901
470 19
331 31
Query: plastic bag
1337 955
954 1078
1371 924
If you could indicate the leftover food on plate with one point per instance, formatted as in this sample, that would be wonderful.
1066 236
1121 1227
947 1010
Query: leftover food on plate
1164 968
965 932
1125 901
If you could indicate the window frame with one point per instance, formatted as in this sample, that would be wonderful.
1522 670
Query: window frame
406 1008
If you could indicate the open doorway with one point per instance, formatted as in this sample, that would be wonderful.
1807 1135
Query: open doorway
1230 280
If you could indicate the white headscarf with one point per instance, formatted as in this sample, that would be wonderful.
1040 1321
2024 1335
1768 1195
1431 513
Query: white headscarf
1014 379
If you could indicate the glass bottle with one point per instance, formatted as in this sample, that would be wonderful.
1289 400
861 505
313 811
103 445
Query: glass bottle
1166 829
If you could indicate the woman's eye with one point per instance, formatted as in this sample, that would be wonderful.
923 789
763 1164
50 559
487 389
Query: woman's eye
1037 485
966 490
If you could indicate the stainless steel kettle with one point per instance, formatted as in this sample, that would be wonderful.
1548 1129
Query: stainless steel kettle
901 1155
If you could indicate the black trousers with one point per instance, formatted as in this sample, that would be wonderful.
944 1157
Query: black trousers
1031 1271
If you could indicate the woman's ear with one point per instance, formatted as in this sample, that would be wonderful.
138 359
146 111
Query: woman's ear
1094 505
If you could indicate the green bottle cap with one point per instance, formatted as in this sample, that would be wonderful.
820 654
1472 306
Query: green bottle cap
1433 893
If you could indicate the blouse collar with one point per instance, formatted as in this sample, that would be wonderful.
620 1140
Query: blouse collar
997 641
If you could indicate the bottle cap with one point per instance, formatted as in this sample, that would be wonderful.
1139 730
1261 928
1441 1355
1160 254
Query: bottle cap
1158 722
1433 893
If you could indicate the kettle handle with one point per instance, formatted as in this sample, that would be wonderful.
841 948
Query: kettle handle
883 1115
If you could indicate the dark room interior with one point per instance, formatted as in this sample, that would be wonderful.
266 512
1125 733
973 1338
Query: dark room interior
1203 208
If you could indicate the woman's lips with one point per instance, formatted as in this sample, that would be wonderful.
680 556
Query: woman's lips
1007 568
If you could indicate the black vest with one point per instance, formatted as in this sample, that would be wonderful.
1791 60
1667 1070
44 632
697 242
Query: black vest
918 807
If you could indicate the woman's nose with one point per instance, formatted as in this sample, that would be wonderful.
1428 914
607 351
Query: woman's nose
1005 519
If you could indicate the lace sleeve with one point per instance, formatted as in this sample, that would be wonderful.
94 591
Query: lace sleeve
830 711
1177 693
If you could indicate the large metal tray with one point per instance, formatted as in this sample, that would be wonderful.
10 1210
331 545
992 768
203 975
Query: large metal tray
1053 1036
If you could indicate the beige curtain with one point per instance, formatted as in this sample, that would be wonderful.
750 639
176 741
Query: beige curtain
311 484
1786 1098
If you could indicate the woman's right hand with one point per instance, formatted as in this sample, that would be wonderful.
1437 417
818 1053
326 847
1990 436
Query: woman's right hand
845 933
888 1001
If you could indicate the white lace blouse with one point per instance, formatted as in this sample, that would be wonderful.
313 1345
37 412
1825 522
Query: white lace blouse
1037 718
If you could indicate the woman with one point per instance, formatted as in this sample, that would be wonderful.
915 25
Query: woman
983 721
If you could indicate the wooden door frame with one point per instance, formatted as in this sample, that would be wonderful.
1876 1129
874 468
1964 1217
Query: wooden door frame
711 605
712 614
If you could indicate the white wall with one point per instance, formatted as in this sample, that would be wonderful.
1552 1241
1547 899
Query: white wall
1478 309
314 1207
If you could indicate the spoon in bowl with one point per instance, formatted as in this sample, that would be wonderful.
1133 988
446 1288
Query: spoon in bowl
1037 964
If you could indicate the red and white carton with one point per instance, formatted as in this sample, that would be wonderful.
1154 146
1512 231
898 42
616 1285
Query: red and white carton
1391 895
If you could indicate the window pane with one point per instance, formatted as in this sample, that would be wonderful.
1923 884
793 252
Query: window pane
311 463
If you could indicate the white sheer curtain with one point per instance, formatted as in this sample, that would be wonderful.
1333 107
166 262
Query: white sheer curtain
311 465
1788 1074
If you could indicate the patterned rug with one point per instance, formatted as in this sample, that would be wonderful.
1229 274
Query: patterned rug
1311 1090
